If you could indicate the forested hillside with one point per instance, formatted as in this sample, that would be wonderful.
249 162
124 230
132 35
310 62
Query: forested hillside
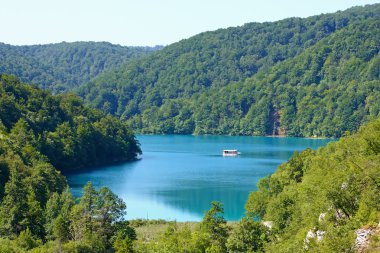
330 88
64 66
200 85
326 194
317 201
60 128
40 136
316 76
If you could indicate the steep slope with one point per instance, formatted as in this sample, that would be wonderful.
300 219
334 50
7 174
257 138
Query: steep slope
169 82
60 128
319 199
331 88
64 66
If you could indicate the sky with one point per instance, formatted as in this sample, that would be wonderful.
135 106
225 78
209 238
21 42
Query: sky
143 22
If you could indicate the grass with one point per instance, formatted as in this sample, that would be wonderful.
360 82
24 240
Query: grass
151 230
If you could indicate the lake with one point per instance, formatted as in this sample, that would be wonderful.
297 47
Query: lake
179 175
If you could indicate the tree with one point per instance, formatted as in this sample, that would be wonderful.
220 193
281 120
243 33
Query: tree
123 244
83 214
57 215
247 236
99 213
214 225
26 240
14 207
109 209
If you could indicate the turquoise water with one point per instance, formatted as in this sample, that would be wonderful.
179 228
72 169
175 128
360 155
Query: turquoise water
178 176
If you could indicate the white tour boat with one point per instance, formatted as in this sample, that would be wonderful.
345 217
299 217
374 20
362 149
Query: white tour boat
230 152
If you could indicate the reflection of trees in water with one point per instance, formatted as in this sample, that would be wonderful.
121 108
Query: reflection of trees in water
197 201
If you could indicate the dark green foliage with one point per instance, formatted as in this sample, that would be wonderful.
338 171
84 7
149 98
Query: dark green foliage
300 77
335 190
283 100
317 76
57 216
35 204
69 134
64 66
97 215
304 77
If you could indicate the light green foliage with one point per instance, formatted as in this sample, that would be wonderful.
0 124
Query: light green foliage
124 238
215 227
83 214
26 241
95 224
210 235
123 244
10 246
248 236
335 190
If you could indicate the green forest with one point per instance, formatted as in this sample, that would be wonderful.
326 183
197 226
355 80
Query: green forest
60 129
267 78
43 135
257 79
62 67
287 214
68 107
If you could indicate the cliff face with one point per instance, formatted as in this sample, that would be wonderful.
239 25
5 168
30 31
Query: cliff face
368 239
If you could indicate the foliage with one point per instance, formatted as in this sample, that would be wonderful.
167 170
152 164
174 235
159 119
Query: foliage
304 77
89 226
248 236
316 76
333 191
64 66
61 130
210 235
214 226
41 130
328 193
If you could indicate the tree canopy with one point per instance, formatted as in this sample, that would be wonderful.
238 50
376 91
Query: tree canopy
63 66
316 76
40 136
327 194
61 128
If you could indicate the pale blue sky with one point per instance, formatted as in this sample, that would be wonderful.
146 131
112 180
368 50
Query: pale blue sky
143 22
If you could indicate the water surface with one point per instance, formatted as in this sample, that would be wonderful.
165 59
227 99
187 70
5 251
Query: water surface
178 176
